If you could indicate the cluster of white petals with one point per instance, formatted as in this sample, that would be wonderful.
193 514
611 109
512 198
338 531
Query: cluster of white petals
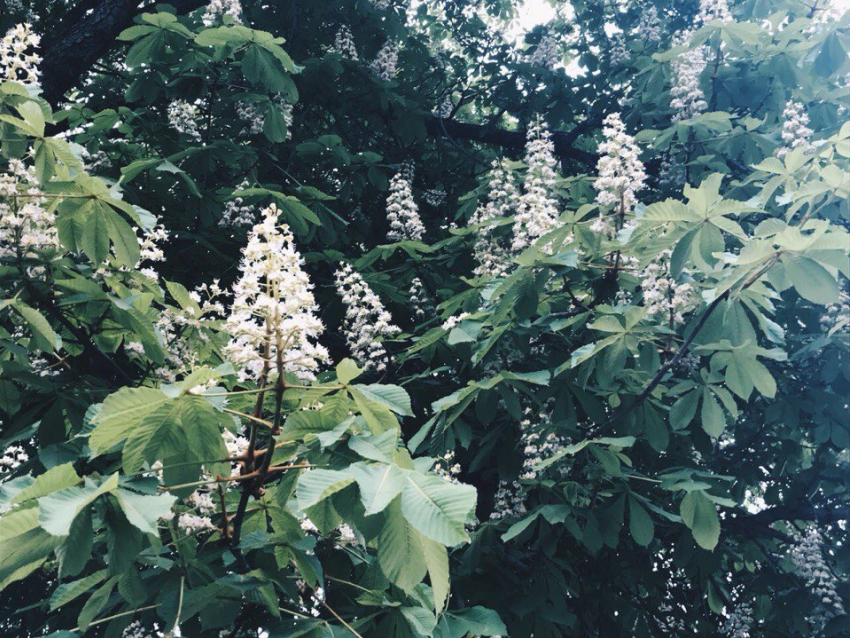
665 299
18 61
836 316
255 120
492 249
203 502
420 301
649 27
795 130
811 566
447 468
621 173
272 321
385 64
236 212
739 623
136 630
445 107
183 118
547 53
454 320
217 9
618 53
402 211
538 206
344 43
13 457
190 523
538 441
434 197
672 173
26 225
150 248
688 99
711 10
509 501
366 321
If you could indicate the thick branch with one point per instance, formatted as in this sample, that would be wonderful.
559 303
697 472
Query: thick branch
563 140
86 36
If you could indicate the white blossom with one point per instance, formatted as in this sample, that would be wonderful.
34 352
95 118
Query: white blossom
434 197
423 308
620 173
190 523
26 224
665 299
538 205
273 320
688 98
649 27
344 43
13 457
182 117
366 320
255 120
547 53
710 10
492 249
446 467
219 9
18 61
454 320
672 173
810 565
618 52
385 64
136 630
203 502
509 501
836 316
402 211
236 212
149 244
445 107
795 130
740 621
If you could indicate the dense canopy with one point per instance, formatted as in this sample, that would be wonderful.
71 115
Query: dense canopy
401 318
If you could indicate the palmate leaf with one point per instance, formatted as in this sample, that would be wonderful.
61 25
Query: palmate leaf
121 414
58 510
437 508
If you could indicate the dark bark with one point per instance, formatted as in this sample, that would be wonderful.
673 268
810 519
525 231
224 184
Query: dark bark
84 36
563 140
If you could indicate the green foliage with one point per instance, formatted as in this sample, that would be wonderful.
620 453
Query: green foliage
545 453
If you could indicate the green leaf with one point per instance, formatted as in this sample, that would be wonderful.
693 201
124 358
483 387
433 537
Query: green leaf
437 509
57 511
811 280
64 594
379 485
144 510
96 603
700 515
640 523
121 414
316 485
713 421
400 550
346 371
45 338
391 396
437 561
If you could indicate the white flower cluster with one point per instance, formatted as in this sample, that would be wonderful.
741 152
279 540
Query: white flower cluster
446 467
255 121
402 211
665 299
740 621
149 244
618 52
26 225
621 173
423 308
538 442
454 320
649 27
136 630
538 206
385 64
795 130
837 315
509 501
810 565
237 213
672 174
711 10
203 502
688 98
548 52
182 117
366 320
444 109
15 63
344 44
434 197
13 457
236 446
190 523
220 8
273 316
491 250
